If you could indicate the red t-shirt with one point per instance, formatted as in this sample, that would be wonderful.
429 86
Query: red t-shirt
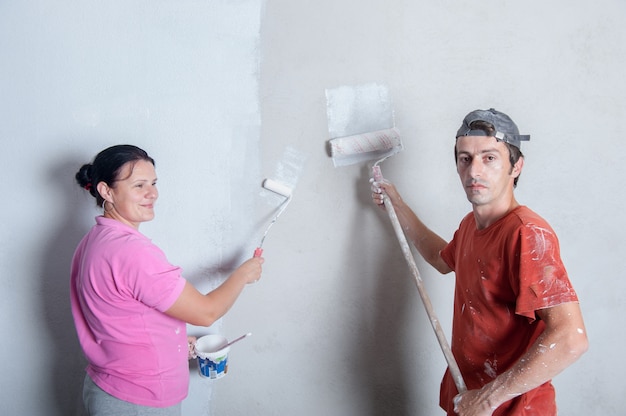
504 273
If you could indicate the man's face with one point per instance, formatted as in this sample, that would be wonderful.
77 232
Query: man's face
485 170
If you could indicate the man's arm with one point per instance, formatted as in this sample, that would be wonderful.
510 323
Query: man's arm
562 342
427 243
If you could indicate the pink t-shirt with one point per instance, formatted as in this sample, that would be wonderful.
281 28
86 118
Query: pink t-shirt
121 284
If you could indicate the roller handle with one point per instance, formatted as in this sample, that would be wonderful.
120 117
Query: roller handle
377 173
434 321
258 252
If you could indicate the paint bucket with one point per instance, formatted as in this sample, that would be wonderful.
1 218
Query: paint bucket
212 361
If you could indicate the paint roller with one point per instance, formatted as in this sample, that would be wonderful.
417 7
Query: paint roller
379 145
357 148
280 189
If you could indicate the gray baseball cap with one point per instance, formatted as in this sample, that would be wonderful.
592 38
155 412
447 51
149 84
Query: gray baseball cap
506 130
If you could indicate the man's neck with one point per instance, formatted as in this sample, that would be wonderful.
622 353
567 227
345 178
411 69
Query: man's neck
485 215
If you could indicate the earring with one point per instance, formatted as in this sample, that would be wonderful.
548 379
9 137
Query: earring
104 206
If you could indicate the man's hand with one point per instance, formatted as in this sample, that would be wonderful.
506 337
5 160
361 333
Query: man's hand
472 403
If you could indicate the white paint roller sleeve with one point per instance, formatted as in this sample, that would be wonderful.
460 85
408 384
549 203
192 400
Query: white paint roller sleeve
279 188
364 147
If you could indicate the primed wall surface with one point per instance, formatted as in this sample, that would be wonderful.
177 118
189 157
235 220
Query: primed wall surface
217 91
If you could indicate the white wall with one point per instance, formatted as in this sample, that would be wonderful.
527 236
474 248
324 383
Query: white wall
179 79
338 327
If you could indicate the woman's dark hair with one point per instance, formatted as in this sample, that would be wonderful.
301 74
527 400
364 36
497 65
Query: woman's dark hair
106 167
514 152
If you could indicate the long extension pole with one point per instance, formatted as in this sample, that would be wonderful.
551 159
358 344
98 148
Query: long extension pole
434 321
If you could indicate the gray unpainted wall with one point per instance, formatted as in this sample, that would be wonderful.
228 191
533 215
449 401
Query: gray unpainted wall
216 91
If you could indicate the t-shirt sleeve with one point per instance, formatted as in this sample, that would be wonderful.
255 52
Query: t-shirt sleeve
150 278
543 280
447 254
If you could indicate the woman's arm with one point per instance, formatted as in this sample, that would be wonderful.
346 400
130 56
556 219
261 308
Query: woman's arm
197 309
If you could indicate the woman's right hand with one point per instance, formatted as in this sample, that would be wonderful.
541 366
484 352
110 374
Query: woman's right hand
251 269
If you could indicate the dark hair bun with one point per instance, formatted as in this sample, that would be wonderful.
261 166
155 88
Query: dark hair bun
84 179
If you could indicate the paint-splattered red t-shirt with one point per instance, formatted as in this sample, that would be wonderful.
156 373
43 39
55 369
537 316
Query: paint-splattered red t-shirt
504 273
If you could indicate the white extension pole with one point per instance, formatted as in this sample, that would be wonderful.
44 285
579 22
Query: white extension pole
406 250
280 189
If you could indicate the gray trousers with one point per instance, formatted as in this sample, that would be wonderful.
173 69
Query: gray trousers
100 403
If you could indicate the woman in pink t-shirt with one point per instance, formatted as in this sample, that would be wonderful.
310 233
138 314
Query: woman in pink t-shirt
130 305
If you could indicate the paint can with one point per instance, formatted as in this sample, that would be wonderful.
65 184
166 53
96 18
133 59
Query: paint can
212 359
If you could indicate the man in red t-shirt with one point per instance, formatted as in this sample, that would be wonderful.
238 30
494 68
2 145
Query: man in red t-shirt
517 322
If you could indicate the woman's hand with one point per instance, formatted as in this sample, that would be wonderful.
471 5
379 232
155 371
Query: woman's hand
191 343
250 270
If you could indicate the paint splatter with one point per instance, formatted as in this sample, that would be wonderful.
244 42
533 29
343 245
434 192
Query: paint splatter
542 246
491 368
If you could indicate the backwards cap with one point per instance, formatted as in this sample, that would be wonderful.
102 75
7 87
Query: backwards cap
506 130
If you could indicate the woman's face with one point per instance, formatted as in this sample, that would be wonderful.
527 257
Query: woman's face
132 198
